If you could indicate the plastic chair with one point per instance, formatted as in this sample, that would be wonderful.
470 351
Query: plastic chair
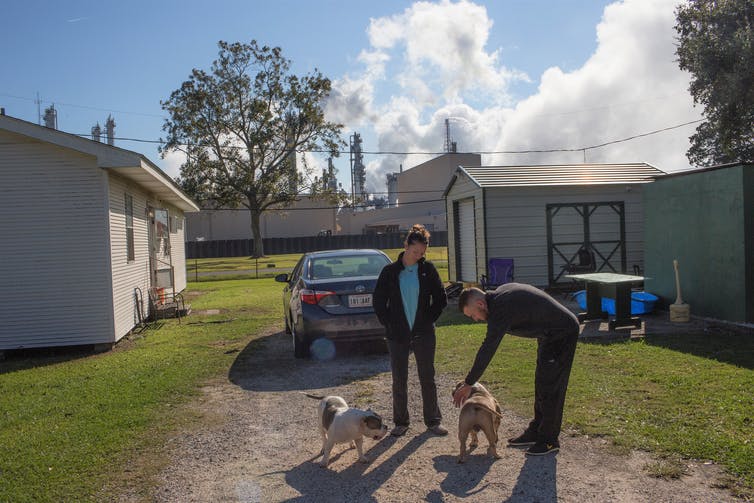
586 262
500 271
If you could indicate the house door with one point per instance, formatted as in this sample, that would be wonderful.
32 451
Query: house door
576 231
465 240
160 261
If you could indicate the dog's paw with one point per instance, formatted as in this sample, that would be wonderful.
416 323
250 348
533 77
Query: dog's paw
461 460
473 445
363 460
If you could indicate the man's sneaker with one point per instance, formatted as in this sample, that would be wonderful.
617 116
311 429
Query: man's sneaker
542 448
525 439
438 430
399 430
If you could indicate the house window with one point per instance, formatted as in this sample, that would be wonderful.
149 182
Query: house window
130 228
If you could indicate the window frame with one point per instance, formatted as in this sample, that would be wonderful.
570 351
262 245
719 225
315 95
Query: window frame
129 225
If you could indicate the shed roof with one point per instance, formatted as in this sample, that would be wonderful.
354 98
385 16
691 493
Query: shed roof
131 165
560 174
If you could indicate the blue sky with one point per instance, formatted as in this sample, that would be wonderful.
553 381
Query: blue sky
511 75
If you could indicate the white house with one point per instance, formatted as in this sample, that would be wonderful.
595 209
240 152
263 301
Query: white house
85 228
541 216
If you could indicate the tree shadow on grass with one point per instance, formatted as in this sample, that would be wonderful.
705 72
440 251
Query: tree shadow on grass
268 364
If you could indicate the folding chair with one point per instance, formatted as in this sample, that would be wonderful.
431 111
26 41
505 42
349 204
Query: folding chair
499 272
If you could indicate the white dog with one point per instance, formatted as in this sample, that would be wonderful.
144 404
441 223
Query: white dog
339 423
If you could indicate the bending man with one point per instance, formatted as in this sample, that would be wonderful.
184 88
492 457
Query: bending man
526 311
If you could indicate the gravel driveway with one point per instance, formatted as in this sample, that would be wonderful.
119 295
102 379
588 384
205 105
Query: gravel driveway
261 443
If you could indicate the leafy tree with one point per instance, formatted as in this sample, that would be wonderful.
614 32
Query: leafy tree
240 126
716 44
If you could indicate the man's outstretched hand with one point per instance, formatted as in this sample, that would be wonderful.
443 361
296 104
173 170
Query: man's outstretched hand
461 395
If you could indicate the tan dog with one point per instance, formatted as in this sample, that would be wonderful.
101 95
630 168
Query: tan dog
479 412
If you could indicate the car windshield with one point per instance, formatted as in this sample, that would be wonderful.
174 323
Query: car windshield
344 266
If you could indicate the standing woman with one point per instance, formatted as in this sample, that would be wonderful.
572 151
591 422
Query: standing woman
408 299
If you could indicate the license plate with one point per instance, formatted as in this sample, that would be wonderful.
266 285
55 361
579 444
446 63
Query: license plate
364 300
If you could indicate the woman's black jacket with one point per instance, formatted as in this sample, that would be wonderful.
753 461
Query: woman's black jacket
388 304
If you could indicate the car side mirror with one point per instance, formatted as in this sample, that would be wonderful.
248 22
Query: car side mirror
281 278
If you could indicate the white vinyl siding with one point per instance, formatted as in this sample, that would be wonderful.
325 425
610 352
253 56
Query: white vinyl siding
127 275
517 225
54 243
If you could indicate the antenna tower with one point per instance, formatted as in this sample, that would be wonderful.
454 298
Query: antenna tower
450 145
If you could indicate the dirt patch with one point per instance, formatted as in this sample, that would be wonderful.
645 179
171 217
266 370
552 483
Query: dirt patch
261 443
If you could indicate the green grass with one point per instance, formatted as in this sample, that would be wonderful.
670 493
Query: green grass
69 422
688 395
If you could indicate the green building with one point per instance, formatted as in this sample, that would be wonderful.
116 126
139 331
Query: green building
703 218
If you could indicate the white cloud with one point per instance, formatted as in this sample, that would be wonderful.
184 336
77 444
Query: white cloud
443 48
172 162
432 59
630 85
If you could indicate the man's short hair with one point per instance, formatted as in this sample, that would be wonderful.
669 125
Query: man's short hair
469 295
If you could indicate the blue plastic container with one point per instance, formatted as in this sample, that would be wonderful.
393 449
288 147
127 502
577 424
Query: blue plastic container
641 302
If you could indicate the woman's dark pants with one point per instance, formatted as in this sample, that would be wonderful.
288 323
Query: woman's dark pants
424 352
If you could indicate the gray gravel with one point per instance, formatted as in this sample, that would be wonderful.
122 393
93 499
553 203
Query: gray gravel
260 444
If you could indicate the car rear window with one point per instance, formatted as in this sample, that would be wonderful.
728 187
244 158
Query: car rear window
347 266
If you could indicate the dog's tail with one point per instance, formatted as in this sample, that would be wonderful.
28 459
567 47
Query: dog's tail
316 397
488 409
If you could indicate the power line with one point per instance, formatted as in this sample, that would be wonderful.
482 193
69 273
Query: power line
481 152
344 207
85 107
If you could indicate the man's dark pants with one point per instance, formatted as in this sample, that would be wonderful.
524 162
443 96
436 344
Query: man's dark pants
555 354
424 352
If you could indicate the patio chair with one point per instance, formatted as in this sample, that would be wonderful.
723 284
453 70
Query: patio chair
499 272
586 262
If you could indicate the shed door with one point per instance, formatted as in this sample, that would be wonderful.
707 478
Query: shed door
598 227
465 241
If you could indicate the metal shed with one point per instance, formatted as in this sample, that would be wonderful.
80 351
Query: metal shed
704 218
541 216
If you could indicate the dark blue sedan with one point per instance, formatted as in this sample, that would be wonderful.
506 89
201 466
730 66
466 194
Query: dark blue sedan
328 295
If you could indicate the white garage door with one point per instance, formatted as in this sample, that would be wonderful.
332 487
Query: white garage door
466 243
